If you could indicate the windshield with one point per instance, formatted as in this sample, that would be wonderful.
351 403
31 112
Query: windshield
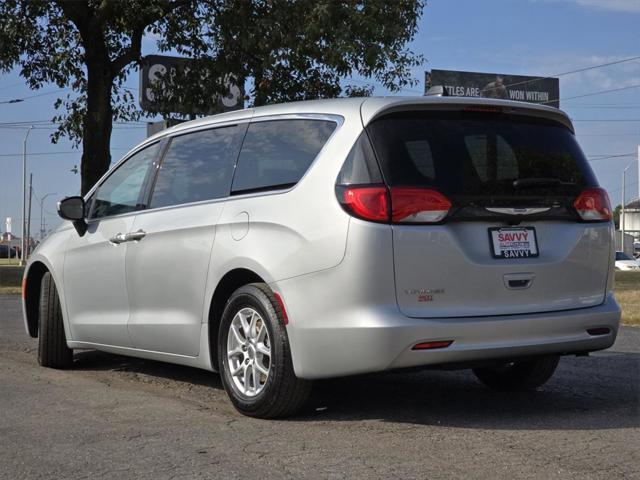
622 256
480 154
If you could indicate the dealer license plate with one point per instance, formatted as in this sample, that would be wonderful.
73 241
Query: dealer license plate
513 242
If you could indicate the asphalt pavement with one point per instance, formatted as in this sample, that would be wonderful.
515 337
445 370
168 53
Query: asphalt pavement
124 418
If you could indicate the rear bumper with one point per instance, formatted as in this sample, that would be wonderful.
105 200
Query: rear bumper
380 339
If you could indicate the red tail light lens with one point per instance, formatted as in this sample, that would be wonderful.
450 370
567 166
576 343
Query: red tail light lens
368 203
593 205
418 205
432 345
400 205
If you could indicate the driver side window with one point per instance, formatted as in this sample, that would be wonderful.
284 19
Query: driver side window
120 192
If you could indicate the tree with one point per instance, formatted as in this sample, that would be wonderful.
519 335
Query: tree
616 216
290 49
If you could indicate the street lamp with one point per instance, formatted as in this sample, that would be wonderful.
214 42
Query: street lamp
24 196
624 174
42 224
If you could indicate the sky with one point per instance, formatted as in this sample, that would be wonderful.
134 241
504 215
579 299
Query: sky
521 37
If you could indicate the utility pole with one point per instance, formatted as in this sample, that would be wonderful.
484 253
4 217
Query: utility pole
43 224
624 172
622 214
28 251
24 195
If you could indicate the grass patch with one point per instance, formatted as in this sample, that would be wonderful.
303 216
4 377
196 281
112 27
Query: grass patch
9 261
10 290
10 276
627 292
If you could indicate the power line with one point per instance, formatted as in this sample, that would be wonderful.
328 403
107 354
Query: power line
22 99
54 153
608 134
597 158
578 70
606 120
592 94
7 87
49 122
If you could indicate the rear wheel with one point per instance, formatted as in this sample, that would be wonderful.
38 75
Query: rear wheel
518 375
52 342
254 356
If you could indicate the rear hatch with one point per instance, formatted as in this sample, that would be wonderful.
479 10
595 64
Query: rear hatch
527 228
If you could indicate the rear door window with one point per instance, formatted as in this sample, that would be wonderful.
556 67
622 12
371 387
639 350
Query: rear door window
197 166
478 154
276 154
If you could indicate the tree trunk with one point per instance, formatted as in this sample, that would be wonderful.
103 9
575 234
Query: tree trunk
96 138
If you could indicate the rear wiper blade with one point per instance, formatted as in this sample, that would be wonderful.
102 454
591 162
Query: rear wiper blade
539 182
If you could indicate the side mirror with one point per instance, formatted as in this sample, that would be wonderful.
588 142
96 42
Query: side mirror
72 208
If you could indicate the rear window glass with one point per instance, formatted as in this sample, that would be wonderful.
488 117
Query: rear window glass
276 154
479 154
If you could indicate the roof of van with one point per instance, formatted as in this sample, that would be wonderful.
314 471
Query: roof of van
371 107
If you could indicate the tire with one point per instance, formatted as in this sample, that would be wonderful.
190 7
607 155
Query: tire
279 393
518 375
52 342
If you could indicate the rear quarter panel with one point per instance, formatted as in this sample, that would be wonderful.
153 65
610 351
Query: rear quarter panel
284 234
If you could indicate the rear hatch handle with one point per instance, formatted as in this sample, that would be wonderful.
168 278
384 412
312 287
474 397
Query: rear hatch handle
518 281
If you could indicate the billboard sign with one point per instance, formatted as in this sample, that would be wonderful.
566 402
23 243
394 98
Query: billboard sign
157 67
520 88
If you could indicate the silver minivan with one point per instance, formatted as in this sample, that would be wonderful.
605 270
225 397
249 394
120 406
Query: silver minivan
294 242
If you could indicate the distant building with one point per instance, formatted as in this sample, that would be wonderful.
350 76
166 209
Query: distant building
632 218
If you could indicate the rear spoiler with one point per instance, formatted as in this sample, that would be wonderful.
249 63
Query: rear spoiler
373 108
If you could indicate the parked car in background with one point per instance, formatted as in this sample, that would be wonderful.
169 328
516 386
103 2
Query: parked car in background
626 262
294 242
8 252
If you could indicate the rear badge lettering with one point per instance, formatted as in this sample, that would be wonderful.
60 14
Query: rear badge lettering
424 294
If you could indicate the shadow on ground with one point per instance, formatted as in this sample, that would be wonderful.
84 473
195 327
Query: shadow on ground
600 392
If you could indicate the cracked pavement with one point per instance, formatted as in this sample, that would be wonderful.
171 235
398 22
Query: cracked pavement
118 417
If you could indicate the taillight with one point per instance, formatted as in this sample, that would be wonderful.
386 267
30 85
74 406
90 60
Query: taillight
368 203
593 205
418 205
398 205
432 345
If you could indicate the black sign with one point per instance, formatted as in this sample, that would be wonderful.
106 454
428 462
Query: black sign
496 85
156 68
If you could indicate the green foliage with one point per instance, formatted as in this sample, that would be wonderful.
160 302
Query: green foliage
289 49
616 216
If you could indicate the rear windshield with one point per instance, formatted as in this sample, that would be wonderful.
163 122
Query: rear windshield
479 154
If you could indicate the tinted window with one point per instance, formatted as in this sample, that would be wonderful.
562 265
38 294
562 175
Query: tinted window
360 167
480 154
278 153
120 192
197 166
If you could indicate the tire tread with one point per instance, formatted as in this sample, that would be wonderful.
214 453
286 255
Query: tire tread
53 351
290 393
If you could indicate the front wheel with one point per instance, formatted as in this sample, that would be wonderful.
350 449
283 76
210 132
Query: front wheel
52 342
254 356
518 375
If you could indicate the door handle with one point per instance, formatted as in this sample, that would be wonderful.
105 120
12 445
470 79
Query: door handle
118 238
135 236
518 281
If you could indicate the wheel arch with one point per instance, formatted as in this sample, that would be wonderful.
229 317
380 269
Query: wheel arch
229 283
31 294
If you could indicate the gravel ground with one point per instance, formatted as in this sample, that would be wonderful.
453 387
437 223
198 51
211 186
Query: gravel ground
115 417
